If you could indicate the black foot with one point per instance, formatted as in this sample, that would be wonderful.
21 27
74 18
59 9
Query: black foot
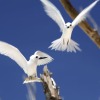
30 77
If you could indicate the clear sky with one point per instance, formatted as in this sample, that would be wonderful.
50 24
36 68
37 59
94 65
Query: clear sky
24 24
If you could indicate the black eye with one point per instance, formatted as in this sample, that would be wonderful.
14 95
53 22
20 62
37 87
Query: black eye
68 27
36 56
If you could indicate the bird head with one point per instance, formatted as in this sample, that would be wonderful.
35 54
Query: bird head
36 57
41 58
68 25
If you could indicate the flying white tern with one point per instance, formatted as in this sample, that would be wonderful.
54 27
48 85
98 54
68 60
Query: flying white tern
65 42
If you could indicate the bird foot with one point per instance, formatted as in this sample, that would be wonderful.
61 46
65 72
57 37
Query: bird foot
32 79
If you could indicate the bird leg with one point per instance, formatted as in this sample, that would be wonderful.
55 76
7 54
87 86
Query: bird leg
63 42
30 77
34 77
67 42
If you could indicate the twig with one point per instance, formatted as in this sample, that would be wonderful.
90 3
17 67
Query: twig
94 36
50 89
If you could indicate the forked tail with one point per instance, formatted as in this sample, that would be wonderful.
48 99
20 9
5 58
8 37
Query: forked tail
62 45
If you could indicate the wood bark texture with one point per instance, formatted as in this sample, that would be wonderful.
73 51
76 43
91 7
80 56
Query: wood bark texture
51 91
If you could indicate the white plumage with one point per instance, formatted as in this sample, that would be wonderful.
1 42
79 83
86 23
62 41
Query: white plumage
54 13
84 13
29 67
12 52
65 42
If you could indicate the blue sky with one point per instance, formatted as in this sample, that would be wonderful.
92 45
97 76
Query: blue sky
24 24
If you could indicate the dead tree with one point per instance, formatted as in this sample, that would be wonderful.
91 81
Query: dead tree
51 90
93 35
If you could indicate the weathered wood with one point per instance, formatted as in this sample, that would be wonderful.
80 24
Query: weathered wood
50 89
93 35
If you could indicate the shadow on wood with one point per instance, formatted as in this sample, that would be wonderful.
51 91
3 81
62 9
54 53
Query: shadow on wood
50 88
94 36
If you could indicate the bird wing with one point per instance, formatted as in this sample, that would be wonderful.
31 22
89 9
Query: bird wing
53 13
82 16
47 59
13 53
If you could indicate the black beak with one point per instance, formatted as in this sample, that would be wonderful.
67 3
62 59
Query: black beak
43 57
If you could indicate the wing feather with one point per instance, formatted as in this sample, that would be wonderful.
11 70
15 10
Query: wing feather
82 16
13 53
53 13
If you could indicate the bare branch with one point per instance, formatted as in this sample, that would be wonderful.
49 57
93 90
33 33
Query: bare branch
50 88
94 36
49 85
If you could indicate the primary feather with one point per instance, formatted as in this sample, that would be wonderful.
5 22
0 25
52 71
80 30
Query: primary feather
54 13
13 53
83 14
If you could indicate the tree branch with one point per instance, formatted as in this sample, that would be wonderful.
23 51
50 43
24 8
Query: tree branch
93 35
50 89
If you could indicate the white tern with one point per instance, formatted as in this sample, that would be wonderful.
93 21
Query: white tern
65 42
29 67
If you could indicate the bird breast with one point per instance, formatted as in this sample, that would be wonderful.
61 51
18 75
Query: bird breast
67 33
31 69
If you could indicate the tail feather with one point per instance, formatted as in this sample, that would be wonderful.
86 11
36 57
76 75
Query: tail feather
70 48
74 46
62 45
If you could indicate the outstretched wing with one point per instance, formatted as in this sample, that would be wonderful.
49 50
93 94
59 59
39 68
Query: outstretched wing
13 53
53 13
83 14
43 58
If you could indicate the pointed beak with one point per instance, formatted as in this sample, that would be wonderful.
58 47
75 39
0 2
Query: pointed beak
43 57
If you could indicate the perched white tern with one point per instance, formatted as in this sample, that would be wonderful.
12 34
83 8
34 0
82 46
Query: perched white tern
65 42
29 67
